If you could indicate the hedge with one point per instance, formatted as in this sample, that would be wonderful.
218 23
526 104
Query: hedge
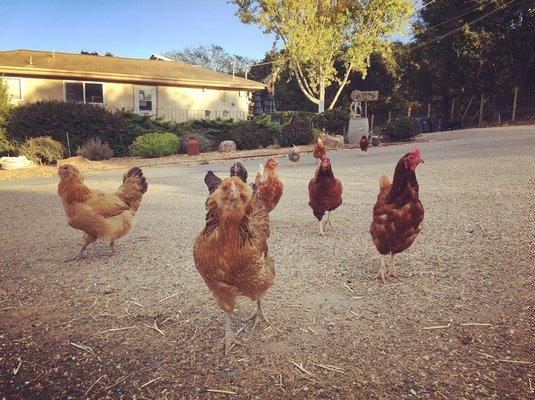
401 128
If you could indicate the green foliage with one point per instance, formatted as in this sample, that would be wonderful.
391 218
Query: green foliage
42 150
208 132
401 128
255 133
333 121
6 146
79 121
155 144
318 34
95 150
298 131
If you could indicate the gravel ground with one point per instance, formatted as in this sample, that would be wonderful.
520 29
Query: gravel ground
461 325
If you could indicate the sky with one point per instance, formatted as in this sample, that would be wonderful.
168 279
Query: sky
132 28
127 28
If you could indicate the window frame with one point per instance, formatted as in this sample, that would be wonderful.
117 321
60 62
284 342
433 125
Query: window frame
83 91
13 78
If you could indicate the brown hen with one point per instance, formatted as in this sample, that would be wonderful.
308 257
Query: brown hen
269 185
398 213
100 215
231 253
324 192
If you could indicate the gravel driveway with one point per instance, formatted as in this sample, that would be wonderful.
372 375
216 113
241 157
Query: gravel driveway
142 323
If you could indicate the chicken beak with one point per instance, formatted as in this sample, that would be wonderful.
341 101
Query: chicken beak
422 160
233 190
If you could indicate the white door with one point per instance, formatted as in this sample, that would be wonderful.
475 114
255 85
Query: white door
145 100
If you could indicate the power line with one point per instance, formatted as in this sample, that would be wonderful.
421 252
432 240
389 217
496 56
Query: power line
460 15
461 27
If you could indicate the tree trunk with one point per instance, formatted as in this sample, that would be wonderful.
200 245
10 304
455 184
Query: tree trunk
321 104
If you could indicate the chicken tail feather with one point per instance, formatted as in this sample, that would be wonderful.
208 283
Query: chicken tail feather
384 182
134 186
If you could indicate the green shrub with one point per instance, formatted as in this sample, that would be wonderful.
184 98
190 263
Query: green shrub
333 121
42 150
255 133
297 131
283 117
206 130
95 150
79 121
401 128
155 144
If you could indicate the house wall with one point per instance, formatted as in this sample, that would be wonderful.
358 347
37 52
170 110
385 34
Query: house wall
179 103
172 103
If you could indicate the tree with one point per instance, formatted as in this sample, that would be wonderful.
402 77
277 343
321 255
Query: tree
213 57
316 34
5 145
474 46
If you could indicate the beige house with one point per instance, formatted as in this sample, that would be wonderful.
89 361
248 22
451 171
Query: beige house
159 87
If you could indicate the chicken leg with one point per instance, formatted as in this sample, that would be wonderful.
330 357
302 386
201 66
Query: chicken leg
382 274
328 220
230 339
88 239
257 316
321 228
393 272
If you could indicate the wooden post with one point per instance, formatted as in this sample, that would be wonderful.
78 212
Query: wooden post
373 118
515 99
366 109
481 104
389 116
452 108
428 110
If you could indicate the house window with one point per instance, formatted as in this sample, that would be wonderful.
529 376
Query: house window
13 88
94 93
84 92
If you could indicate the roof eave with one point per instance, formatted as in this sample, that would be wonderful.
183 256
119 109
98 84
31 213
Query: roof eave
109 77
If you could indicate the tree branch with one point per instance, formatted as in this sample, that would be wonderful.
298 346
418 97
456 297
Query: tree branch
304 80
306 93
341 87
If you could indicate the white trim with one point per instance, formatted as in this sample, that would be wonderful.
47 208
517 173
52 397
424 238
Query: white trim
13 78
83 91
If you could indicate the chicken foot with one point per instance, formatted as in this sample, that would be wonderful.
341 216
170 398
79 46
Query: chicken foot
257 316
393 272
78 255
390 273
88 239
382 272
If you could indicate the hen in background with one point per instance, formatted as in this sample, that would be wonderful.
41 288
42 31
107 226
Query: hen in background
398 212
319 150
293 155
239 170
212 181
102 216
324 192
364 144
231 253
268 184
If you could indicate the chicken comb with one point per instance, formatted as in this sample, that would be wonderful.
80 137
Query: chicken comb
416 152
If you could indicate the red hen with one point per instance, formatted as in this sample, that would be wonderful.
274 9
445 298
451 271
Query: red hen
398 212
